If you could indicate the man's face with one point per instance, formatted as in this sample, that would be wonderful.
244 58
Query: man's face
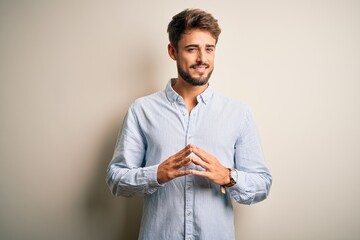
195 57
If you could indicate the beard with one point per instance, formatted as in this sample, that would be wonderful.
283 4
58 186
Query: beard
199 81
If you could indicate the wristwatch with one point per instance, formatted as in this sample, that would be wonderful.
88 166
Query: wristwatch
232 175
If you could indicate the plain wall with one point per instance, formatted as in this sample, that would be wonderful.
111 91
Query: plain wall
70 69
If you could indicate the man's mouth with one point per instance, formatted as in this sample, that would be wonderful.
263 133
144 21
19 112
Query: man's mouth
200 67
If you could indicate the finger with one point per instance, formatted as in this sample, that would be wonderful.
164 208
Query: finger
188 162
201 154
182 173
199 173
182 163
183 153
200 162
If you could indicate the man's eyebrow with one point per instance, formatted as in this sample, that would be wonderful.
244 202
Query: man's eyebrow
197 45
192 45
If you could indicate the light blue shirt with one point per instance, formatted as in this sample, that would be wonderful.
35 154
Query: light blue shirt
189 207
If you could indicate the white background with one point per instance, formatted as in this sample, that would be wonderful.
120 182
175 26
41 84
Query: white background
70 69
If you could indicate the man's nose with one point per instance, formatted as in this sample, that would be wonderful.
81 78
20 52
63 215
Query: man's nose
201 57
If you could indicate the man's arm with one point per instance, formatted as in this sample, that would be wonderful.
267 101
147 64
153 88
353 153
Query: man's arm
126 174
253 177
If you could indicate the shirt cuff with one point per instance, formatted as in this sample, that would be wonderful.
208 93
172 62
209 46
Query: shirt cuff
151 174
243 190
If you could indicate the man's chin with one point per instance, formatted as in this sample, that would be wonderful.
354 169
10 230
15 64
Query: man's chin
197 81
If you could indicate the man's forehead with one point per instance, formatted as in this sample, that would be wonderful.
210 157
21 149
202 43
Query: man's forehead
197 36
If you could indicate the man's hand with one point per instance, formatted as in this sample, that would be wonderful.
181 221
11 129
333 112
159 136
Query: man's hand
214 171
170 168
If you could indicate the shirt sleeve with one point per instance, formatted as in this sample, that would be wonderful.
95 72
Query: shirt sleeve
253 179
126 175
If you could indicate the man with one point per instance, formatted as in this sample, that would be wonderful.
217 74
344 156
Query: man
189 150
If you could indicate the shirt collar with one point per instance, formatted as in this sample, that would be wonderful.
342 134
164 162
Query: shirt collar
174 96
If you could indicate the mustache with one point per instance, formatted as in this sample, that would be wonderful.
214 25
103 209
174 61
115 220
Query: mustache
199 65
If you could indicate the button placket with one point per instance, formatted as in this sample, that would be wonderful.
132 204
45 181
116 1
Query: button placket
189 179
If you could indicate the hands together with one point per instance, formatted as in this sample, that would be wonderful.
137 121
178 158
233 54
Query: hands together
171 167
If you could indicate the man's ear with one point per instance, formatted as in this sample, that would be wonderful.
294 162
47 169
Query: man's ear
172 52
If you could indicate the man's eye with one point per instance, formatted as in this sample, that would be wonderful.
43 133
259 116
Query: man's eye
210 49
191 49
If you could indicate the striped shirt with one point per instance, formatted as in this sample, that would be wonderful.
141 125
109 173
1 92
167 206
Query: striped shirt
189 207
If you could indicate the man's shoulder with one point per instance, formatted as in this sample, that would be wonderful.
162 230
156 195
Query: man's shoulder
229 101
153 98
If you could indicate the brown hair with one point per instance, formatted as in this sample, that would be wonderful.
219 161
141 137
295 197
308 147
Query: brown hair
191 19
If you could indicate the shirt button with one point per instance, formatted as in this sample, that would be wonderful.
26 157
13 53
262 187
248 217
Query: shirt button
188 214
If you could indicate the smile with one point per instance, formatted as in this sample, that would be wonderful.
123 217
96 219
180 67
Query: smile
200 68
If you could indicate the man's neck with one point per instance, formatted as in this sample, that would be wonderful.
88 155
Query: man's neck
188 92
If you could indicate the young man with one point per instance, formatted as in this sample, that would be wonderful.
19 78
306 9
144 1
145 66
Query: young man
189 150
